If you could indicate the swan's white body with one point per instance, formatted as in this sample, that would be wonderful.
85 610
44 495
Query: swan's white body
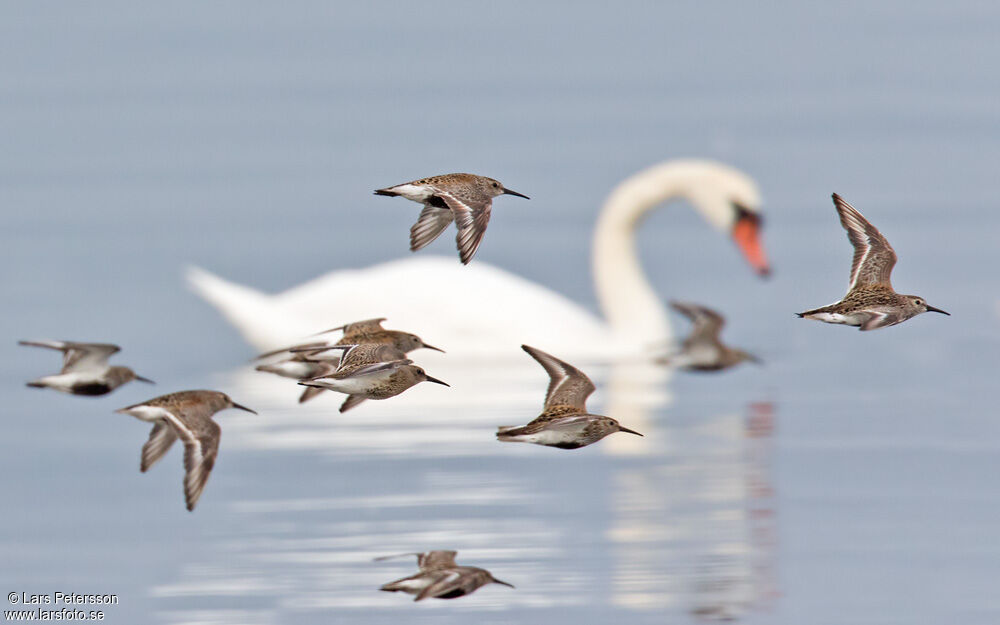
471 310
483 311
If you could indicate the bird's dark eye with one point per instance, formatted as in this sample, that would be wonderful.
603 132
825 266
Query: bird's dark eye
744 213
495 185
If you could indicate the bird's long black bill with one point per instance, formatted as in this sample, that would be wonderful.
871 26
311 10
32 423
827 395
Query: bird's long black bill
296 348
437 381
337 329
397 555
146 380
621 429
497 581
437 349
239 407
319 349
509 192
937 310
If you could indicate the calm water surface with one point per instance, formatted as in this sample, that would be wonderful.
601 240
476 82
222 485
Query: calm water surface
851 480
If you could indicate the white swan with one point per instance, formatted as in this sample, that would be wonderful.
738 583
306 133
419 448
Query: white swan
481 310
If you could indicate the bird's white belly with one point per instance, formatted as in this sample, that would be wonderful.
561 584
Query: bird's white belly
829 317
417 193
66 381
413 586
147 413
553 437
697 356
358 384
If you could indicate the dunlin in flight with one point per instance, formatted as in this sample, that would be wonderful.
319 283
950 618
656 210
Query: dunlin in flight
85 369
187 415
871 302
358 333
371 331
702 350
440 577
315 359
465 199
371 372
564 422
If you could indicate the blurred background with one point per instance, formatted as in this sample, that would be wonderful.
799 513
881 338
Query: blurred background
849 480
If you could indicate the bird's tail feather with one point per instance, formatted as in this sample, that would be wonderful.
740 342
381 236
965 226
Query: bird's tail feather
813 311
510 433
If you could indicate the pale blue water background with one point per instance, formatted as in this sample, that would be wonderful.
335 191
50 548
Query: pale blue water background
246 138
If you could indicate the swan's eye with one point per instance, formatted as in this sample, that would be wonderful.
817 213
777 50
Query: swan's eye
744 213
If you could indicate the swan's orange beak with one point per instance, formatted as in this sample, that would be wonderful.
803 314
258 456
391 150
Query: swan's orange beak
746 234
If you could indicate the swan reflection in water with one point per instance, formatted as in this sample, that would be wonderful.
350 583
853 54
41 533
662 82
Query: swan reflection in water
699 530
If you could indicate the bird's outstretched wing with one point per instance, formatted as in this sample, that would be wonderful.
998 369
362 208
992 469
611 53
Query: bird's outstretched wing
874 258
471 217
568 386
429 226
79 356
707 323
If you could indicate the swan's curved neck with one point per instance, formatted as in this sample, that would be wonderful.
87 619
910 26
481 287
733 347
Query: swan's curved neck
629 303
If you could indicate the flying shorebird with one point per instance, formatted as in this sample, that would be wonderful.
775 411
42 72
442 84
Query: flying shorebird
565 422
85 368
371 331
702 350
440 577
465 199
871 302
358 333
188 415
371 372
314 360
